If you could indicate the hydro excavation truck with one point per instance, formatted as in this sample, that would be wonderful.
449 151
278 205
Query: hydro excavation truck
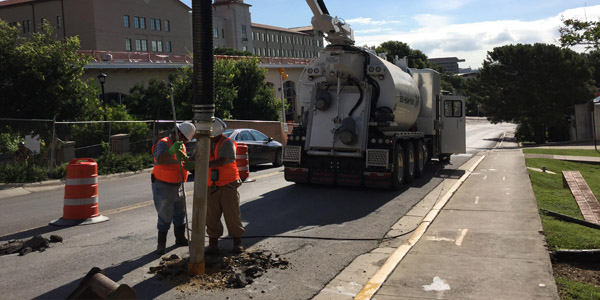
365 121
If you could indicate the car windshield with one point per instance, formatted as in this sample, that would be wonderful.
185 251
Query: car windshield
228 132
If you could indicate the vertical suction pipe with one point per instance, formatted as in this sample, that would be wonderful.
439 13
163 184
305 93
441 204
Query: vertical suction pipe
204 110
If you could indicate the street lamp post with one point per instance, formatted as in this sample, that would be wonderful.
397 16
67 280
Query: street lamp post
102 79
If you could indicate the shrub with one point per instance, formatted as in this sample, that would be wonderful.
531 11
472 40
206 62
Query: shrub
22 172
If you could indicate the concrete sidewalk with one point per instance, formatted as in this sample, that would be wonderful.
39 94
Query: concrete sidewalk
486 243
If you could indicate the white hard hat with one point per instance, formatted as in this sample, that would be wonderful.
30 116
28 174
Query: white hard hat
217 128
187 129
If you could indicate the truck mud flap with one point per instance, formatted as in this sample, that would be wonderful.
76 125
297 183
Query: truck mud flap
349 179
299 175
377 179
322 176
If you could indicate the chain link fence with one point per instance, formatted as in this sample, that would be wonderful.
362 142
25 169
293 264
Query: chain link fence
50 143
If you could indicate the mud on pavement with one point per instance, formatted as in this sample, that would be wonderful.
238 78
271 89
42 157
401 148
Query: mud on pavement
222 271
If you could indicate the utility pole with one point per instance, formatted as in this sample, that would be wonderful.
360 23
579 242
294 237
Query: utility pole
204 110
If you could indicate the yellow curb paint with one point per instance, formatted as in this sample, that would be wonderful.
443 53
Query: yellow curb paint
374 284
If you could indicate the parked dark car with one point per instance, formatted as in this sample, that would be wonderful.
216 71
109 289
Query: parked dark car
262 149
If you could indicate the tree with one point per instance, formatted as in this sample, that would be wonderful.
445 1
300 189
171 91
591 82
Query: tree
40 77
535 86
231 51
255 100
576 32
416 58
240 93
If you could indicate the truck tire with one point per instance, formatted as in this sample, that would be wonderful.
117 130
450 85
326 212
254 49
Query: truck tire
409 158
399 166
421 157
278 158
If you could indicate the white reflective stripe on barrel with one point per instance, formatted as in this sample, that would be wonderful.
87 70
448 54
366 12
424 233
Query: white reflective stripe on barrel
82 201
81 181
245 168
241 156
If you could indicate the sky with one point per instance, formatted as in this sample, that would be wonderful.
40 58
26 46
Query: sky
466 29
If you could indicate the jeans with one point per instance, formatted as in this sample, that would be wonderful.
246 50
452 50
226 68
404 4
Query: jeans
169 203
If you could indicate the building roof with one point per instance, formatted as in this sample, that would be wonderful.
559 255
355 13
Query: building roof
263 26
446 59
16 2
227 2
303 28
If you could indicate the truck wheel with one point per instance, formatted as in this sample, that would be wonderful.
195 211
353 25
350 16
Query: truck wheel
398 173
421 159
278 159
409 158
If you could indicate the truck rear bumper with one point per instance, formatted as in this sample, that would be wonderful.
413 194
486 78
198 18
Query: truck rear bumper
325 176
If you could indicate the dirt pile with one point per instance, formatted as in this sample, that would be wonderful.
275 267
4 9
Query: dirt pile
36 243
235 271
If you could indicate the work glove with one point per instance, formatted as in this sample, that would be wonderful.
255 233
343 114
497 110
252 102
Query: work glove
181 156
177 146
189 165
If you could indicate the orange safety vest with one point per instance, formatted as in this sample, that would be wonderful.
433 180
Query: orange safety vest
171 171
227 173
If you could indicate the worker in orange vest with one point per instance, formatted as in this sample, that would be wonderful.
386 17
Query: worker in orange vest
167 189
223 195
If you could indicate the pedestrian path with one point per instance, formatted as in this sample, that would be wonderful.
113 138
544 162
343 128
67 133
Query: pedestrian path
589 159
486 243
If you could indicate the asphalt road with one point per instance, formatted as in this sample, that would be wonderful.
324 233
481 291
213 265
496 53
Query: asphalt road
320 229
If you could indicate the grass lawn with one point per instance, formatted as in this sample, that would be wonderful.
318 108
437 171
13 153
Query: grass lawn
551 195
574 152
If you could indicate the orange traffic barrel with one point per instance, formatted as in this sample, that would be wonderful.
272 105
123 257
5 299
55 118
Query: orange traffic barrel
81 194
241 160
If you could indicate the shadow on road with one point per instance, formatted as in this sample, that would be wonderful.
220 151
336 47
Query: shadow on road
150 288
32 232
293 207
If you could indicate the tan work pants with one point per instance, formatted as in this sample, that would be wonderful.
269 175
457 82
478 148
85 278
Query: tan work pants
223 200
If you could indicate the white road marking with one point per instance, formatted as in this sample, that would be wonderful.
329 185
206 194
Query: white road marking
439 239
503 177
477 200
438 285
461 237
485 177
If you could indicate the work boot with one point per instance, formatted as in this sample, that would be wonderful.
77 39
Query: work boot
213 246
180 239
162 242
237 245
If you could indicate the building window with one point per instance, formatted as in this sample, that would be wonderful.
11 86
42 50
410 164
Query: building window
244 48
268 40
222 33
26 26
253 35
136 22
144 45
277 52
152 24
169 49
154 49
138 45
158 24
126 21
167 26
318 43
142 22
244 34
58 22
215 32
159 44
262 36
128 44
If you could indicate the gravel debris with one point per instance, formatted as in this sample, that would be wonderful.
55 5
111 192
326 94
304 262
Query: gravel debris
221 271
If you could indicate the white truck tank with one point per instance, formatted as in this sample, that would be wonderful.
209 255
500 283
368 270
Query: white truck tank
397 93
